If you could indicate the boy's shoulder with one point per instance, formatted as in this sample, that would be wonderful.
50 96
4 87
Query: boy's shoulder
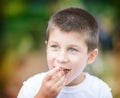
91 87
93 78
31 86
95 82
97 86
35 81
36 78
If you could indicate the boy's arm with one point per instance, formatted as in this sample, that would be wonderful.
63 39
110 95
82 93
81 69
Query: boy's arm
52 84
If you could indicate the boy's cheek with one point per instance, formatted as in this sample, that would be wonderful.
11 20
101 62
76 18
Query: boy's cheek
51 63
50 66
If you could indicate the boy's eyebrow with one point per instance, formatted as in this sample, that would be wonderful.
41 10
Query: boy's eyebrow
52 42
72 45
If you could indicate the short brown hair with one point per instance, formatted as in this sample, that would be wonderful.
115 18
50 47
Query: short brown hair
78 20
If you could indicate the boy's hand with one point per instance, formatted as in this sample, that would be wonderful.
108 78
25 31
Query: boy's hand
53 82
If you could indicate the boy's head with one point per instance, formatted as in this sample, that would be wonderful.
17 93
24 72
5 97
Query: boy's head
76 20
72 38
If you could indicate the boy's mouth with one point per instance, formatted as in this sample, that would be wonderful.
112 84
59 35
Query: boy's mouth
66 70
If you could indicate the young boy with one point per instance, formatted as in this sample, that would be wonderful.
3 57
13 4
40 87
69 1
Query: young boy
71 42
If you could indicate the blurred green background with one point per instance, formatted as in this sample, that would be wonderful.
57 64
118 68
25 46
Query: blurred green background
22 37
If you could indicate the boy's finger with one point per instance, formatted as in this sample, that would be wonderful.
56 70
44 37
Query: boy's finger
60 84
57 76
52 72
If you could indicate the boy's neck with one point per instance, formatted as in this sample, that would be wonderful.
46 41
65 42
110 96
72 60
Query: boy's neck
78 80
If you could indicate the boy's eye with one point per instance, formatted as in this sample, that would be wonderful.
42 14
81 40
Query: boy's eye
54 46
73 49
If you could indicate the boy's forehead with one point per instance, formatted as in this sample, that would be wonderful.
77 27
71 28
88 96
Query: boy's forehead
57 34
57 31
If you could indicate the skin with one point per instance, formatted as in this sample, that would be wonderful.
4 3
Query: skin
65 50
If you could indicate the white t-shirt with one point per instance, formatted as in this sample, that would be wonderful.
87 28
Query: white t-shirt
91 87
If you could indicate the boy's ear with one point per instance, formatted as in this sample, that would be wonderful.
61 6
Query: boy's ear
92 55
46 42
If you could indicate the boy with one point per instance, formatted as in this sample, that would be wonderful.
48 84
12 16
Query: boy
71 42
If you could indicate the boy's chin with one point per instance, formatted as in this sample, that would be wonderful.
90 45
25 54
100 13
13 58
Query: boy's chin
68 83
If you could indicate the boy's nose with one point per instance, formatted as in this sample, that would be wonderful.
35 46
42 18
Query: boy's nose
62 57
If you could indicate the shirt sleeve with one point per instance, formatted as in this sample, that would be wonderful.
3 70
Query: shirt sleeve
106 92
108 95
25 92
21 93
31 86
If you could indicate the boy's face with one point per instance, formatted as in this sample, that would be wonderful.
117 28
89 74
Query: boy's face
68 51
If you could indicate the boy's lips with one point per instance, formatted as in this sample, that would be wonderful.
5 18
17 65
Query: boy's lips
64 69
